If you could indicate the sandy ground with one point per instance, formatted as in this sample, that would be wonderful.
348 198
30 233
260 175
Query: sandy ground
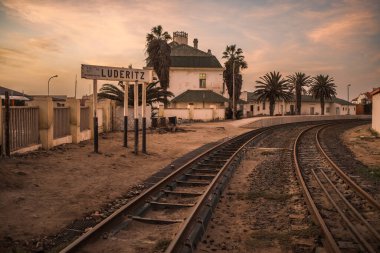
366 148
44 191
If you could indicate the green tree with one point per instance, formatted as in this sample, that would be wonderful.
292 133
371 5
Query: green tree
322 88
272 87
158 51
297 83
235 62
154 94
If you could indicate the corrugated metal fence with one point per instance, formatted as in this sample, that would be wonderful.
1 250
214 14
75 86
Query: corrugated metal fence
84 118
61 122
23 128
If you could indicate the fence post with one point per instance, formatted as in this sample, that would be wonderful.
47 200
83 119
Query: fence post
7 125
45 120
74 105
1 128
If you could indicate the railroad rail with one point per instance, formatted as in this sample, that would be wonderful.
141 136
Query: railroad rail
181 203
348 216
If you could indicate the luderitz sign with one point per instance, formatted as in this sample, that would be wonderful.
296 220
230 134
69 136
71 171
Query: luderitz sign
114 73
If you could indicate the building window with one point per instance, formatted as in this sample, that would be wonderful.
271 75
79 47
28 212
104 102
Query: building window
202 80
327 109
251 108
264 105
258 108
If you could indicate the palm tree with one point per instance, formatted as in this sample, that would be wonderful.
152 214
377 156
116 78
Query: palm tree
323 87
235 58
154 94
272 87
158 51
297 83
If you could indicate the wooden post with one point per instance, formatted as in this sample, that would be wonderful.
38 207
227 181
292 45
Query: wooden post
136 115
7 125
143 108
96 137
126 114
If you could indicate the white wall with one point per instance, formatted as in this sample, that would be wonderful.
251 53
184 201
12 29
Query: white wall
376 112
306 108
271 121
119 118
192 113
179 113
182 79
203 114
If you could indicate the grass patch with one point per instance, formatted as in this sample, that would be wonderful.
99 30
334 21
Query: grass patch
371 172
161 245
275 196
374 133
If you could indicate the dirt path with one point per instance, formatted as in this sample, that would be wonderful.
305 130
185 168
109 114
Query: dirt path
43 192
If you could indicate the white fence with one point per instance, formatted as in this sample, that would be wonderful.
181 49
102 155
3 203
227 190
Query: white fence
23 126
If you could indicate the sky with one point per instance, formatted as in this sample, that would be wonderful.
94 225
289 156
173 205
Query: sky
40 39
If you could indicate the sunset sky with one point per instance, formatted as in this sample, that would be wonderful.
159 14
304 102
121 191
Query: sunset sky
42 38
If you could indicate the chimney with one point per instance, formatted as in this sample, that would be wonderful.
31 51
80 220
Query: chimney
195 41
180 37
209 51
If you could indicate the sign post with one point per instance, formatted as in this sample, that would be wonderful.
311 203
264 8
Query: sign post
143 106
126 86
95 73
96 137
136 115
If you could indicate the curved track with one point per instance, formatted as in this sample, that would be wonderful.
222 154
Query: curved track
348 216
179 206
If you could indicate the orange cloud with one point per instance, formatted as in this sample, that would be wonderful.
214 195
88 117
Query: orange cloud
341 32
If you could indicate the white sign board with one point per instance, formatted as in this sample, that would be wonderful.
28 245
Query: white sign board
114 73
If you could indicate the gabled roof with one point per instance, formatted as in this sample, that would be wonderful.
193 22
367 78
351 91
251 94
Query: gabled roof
13 94
185 56
194 96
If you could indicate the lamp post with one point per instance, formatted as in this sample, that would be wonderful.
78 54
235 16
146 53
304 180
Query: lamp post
348 99
49 84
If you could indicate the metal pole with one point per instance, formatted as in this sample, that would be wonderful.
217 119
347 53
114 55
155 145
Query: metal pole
233 91
96 143
136 116
126 114
49 84
348 99
7 125
143 107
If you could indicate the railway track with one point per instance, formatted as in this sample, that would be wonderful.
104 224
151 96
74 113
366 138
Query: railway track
348 216
172 214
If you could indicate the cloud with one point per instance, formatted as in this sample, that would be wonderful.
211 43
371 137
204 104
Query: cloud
344 31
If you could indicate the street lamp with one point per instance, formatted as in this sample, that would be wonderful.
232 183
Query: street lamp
348 99
49 84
